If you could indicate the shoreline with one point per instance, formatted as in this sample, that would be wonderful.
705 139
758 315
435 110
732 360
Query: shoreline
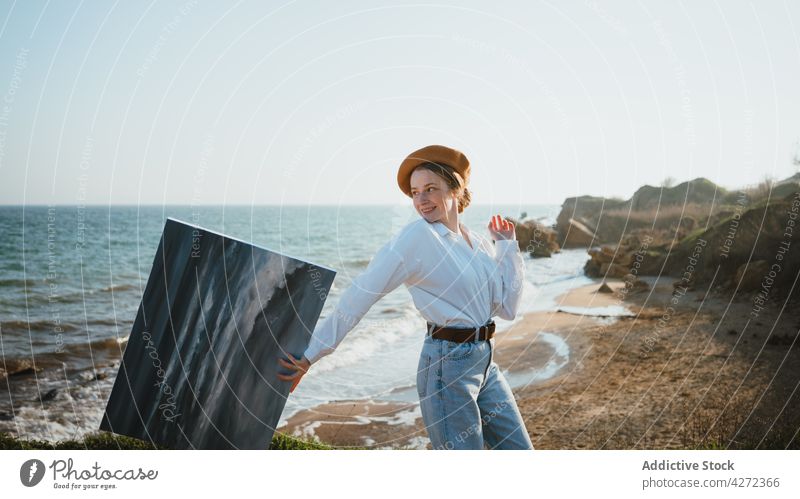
703 372
684 371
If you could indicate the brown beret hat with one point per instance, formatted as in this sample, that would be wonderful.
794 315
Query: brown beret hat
434 154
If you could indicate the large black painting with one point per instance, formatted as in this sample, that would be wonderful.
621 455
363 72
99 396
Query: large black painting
199 370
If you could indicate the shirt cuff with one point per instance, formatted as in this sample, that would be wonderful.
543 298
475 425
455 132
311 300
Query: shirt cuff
312 358
316 350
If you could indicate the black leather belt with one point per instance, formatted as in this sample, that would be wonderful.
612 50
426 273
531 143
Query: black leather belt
461 335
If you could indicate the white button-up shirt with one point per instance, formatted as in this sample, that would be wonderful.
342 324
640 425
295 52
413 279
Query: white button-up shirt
450 283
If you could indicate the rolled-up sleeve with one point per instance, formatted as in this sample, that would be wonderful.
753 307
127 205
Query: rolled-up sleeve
511 270
389 268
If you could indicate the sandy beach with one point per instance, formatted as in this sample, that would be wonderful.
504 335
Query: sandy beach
684 370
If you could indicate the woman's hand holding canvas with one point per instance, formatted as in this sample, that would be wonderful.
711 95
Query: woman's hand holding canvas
298 368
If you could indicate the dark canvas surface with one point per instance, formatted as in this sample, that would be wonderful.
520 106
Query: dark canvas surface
199 370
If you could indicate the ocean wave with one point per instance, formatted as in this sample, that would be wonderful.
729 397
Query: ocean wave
37 325
357 263
50 326
116 287
607 311
41 297
18 283
76 356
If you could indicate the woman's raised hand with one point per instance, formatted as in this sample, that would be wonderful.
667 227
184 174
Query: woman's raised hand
298 367
501 228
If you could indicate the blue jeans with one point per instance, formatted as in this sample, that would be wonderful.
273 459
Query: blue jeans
465 400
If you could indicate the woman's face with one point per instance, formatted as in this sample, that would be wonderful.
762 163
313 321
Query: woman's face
432 198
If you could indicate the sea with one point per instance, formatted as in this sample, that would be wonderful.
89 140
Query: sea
72 278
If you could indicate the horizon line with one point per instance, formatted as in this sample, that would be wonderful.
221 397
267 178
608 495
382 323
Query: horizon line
253 205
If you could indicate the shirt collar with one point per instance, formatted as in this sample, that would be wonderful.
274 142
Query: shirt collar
443 230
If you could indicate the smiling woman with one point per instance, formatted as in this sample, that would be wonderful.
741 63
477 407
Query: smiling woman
458 281
431 187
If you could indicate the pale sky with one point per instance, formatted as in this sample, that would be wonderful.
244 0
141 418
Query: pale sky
204 102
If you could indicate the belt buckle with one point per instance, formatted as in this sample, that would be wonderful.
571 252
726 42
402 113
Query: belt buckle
486 330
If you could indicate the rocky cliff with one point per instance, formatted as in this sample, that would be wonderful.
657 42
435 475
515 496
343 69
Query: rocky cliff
588 220
744 244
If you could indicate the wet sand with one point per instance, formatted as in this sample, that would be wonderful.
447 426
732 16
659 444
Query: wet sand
687 370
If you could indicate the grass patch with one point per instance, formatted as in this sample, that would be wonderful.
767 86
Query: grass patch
665 215
102 440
